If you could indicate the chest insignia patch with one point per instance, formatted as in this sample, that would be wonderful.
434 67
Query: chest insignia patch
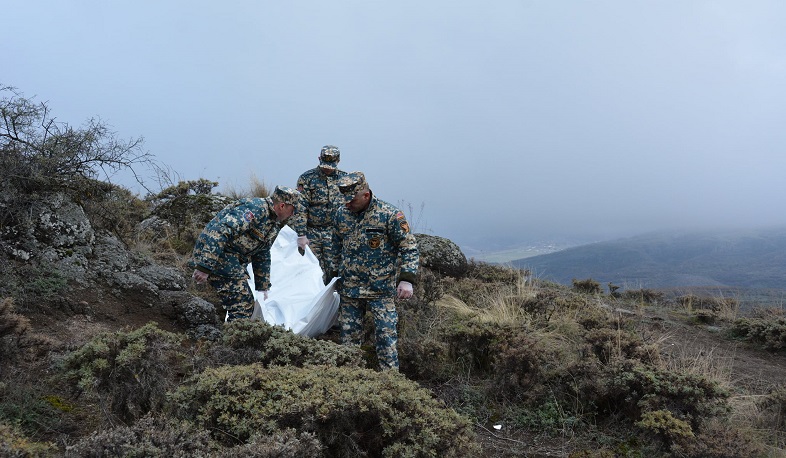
374 242
248 216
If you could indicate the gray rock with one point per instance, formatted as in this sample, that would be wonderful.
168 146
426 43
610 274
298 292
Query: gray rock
60 223
111 254
194 311
441 255
134 288
165 278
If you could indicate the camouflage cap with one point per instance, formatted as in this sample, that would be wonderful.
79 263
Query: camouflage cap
329 157
351 183
285 194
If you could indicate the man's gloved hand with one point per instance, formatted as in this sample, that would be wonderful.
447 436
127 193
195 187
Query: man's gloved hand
302 242
264 294
404 290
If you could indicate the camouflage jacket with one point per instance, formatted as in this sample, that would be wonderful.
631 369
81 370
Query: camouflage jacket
242 232
320 196
371 247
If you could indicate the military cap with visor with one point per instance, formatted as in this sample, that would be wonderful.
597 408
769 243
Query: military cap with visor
329 157
286 195
351 183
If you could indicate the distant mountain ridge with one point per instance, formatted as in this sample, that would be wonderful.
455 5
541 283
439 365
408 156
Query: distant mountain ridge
740 258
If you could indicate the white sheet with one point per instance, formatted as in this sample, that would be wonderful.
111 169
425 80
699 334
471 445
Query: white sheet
298 300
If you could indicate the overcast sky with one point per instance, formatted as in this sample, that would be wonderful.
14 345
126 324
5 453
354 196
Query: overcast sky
489 122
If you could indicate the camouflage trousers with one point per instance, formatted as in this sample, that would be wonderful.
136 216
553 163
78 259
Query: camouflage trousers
236 296
383 312
320 241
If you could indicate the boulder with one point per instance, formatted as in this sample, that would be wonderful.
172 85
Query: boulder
441 255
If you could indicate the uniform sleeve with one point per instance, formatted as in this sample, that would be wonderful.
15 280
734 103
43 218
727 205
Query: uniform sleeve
337 245
402 237
211 243
298 221
260 264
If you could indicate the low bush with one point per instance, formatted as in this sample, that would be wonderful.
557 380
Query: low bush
133 369
148 437
588 286
352 412
254 341
634 389
769 332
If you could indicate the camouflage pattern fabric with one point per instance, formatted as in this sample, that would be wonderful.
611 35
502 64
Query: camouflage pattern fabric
370 248
367 248
236 296
241 233
383 312
320 197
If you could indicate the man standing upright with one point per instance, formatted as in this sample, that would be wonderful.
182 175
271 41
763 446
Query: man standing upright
377 258
241 233
319 188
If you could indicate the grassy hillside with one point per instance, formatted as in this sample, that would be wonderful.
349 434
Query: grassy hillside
742 259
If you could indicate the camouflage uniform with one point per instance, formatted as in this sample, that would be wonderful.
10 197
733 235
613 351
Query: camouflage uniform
320 197
241 233
374 250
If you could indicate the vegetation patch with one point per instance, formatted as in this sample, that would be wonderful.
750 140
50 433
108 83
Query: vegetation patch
351 411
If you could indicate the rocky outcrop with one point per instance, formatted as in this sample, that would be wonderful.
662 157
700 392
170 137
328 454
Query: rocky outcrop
441 255
59 240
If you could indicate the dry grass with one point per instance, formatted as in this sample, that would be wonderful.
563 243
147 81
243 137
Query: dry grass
697 359
254 188
500 306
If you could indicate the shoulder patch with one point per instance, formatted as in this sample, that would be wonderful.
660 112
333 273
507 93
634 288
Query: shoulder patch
399 215
248 216
404 226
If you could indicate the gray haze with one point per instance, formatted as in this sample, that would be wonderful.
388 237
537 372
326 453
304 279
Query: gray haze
490 123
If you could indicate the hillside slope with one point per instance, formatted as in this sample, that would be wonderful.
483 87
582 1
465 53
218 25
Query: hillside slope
745 259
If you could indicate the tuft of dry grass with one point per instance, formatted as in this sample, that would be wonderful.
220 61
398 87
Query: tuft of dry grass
254 188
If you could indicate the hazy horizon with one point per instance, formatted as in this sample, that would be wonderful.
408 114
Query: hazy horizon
491 124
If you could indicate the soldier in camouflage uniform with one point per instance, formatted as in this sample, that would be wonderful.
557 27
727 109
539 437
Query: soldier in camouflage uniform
377 259
319 188
242 233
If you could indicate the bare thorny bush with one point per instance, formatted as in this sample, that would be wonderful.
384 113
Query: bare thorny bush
40 155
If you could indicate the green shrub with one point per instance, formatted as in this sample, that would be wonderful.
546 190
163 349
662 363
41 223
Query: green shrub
353 412
148 437
471 345
134 369
663 423
634 389
169 438
254 341
769 332
608 344
549 416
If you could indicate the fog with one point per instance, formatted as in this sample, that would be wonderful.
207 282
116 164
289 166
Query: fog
489 123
